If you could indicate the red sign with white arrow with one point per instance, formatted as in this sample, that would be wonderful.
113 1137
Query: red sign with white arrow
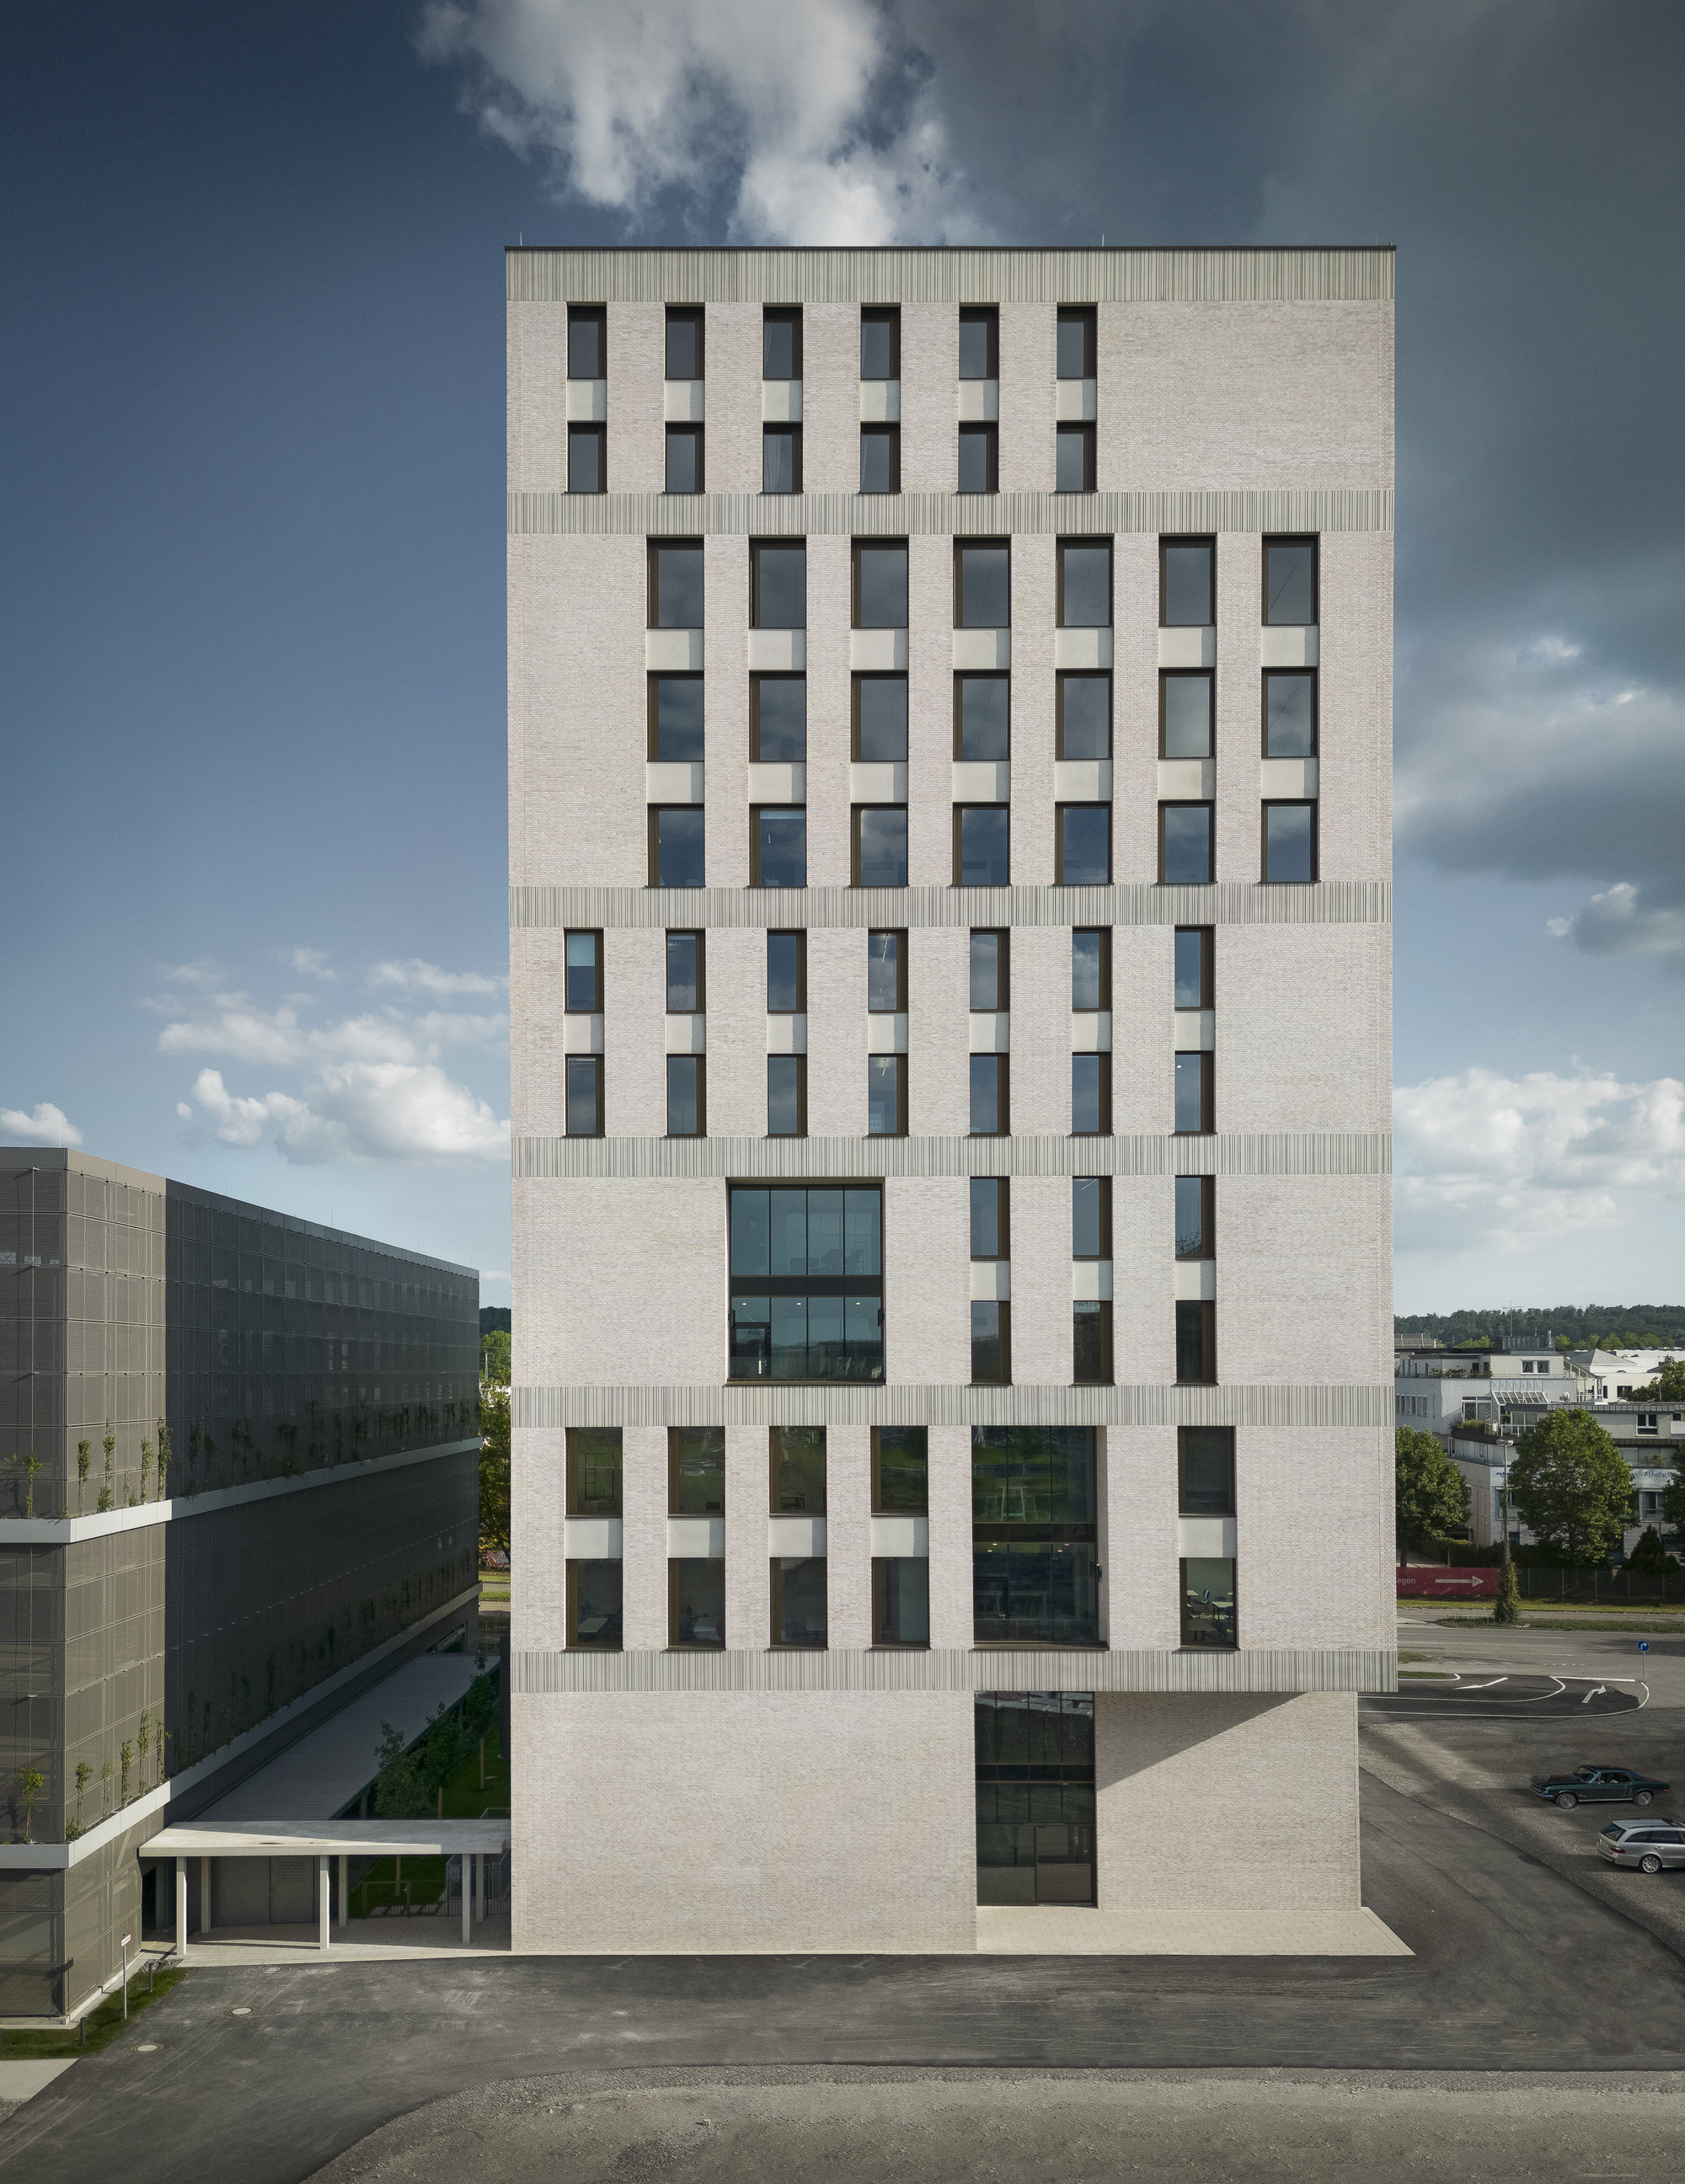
1432 1581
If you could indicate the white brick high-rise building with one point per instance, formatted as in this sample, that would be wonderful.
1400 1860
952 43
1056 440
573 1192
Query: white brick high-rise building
949 719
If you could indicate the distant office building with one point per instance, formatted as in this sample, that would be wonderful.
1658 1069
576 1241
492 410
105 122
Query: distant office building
240 1484
950 699
1613 1376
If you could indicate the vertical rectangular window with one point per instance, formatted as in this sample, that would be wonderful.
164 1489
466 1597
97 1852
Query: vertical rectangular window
879 458
584 994
798 1597
1185 845
1084 845
594 1605
675 733
880 720
1075 339
1082 716
1289 712
687 1113
979 343
1035 1542
982 845
777 586
991 968
684 459
983 589
786 974
684 358
979 460
1195 1342
886 1095
1195 1216
983 717
781 459
1186 582
786 1095
1289 845
1091 1342
1090 968
1194 1099
886 974
900 1600
880 343
1193 966
1091 1095
696 1602
676 585
1209 1601
778 719
1290 582
991 1361
1035 1809
696 1471
900 1471
587 340
797 1458
1090 1217
777 844
988 1113
880 584
807 1287
684 966
1205 1471
1184 714
1074 458
587 459
990 1236
584 1095
879 846
676 842
781 344
594 1463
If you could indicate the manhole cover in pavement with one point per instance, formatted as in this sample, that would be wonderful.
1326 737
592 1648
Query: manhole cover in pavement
241 2009
147 2047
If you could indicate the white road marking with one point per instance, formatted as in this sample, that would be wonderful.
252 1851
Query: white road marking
1601 1693
1492 1686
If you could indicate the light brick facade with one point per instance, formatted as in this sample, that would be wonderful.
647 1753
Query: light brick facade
756 1796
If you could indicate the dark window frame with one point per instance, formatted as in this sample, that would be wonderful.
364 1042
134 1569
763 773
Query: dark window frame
986 430
570 1062
773 675
1287 804
572 1639
1208 677
699 934
652 604
1081 674
1001 1307
582 932
756 548
772 430
1211 1432
783 314
1207 1095
1086 315
881 1566
1001 1187
1081 430
881 428
900 1061
855 682
579 431
871 544
755 879
1189 803
776 1643
774 1506
960 810
988 315
878 1507
1301 675
1314 540
1208 955
1207 1309
881 314
962 676
1099 1257
574 1503
961 547
1099 1310
695 430
899 934
799 935
853 819
583 314
655 813
1003 1076
1059 811
1103 1006
675 1643
1185 538
1207 1220
1090 541
654 679
800 1129
693 314
1102 1060
1003 972
869 1288
701 1063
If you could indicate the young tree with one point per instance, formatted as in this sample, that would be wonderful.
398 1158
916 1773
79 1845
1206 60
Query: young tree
1431 1497
30 1784
446 1749
1649 1558
1570 1484
399 1791
82 1452
495 1469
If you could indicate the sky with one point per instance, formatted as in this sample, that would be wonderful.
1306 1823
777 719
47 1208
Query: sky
251 572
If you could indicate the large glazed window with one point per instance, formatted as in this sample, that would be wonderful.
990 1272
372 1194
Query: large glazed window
1033 1536
806 1283
1034 1797
594 1471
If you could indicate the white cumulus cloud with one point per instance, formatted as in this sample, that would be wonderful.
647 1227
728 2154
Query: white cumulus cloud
810 118
1619 922
357 1110
47 1125
1503 1161
416 977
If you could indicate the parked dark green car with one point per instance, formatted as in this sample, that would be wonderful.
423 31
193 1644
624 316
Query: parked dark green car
1597 1785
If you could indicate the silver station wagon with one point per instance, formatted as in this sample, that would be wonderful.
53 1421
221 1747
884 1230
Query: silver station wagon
1649 1845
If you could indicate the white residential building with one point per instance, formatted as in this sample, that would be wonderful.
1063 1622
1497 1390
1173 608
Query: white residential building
949 702
1614 1375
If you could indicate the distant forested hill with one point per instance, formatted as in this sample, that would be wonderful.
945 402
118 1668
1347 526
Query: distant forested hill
1614 1326
495 1316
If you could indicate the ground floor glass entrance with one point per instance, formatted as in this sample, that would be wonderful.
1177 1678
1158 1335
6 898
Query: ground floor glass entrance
1034 1797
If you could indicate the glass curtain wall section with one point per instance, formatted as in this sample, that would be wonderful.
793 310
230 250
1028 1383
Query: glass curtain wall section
1034 1797
806 1283
1034 1536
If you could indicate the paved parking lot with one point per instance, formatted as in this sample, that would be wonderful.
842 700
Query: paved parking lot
1530 1958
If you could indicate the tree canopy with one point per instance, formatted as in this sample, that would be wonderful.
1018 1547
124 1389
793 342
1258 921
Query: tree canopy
495 1469
1667 1387
495 1358
1579 1327
1649 1557
1571 1487
1431 1496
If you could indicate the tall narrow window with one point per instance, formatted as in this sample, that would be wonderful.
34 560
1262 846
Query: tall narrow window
1090 1217
1195 1099
1186 585
1035 1807
1196 1341
1075 341
1195 1216
900 1471
990 1236
584 1095
982 712
798 1470
685 959
778 846
1074 458
781 344
989 968
989 1109
778 590
684 344
979 329
1205 1471
684 459
786 974
781 459
1091 1095
676 734
587 459
1289 845
687 1113
786 1095
1184 714
1193 966
1091 1342
886 974
1035 1538
1083 843
798 1601
778 719
584 994
696 1602
886 1073
593 1468
880 343
587 340
880 459
982 584
1185 845
1083 717
1090 968
880 720
880 584
676 585
1289 713
879 845
982 845
1290 582
676 845
980 458
594 1605
1208 1600
992 1349
886 1095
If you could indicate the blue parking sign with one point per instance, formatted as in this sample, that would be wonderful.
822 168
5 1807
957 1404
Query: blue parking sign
1643 1645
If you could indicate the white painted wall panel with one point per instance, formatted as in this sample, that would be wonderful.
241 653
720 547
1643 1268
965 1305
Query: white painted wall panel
927 1265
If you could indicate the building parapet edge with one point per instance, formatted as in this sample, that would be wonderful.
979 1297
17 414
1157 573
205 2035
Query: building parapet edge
540 1409
1261 1670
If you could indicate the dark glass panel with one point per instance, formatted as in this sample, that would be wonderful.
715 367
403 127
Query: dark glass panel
584 991
1089 1240
585 345
679 719
1085 716
798 1601
864 1241
1086 845
678 581
1289 582
781 587
596 1603
977 344
1074 459
901 1590
1090 1094
977 459
584 458
684 459
1208 1601
684 1095
879 345
825 1233
783 845
779 345
884 1094
989 1360
1032 1475
594 1455
984 599
799 1470
1074 360
1088 963
1192 1103
988 1217
1193 981
1195 1325
903 1471
882 720
1087 574
988 980
783 1095
1207 1458
984 853
784 974
883 845
750 1232
1191 1241
884 973
879 473
1035 1593
698 1597
678 846
1289 716
883 585
779 445
684 967
787 1232
1090 1343
1187 586
696 1457
584 1083
988 1094
984 703
1187 844
781 719
1289 843
684 345
1187 716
